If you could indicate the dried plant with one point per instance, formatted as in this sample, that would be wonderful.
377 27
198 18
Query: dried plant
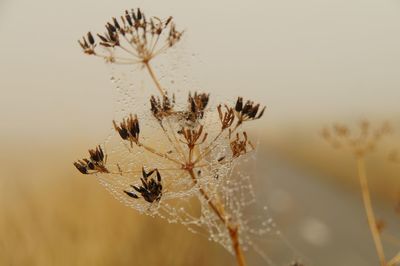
360 143
187 177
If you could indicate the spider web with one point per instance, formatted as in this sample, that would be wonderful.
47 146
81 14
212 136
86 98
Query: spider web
181 201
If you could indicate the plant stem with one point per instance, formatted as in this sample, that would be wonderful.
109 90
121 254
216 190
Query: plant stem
162 155
232 229
395 260
153 76
369 210
240 259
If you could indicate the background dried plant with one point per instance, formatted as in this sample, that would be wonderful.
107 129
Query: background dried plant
361 143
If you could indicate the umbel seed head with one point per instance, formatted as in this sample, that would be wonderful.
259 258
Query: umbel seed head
190 152
132 39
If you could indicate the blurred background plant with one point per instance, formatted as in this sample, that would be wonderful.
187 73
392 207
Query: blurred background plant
360 144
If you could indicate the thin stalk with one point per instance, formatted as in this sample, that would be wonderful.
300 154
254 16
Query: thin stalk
208 149
369 210
177 150
158 85
204 154
233 230
140 171
214 140
395 260
153 76
162 155
176 139
240 259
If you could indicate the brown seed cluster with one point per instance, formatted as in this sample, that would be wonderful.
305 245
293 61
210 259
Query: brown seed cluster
129 129
150 190
164 108
247 111
226 117
240 146
193 137
88 44
95 163
134 35
197 104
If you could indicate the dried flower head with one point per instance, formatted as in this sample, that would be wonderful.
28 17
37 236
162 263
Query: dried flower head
161 109
226 117
248 111
129 129
197 104
133 38
361 142
240 147
151 189
95 163
194 146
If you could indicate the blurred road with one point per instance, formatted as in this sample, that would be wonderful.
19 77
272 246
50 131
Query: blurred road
322 221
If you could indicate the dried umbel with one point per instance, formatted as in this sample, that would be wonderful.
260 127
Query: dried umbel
95 164
248 111
135 36
239 146
128 129
361 142
151 189
194 151
161 109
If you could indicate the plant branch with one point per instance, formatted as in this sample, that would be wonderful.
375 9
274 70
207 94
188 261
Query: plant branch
153 76
369 210
395 260
232 229
162 155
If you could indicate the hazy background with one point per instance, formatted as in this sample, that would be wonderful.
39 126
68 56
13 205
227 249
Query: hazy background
311 62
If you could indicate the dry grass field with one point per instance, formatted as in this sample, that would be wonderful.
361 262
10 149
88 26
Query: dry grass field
52 215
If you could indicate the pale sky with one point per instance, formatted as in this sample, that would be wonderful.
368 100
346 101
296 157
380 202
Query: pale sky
305 59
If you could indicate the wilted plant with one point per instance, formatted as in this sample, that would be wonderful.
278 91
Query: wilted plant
360 143
187 177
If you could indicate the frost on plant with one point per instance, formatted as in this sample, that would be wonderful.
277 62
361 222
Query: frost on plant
176 159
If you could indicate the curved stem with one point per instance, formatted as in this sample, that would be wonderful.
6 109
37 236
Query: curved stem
162 155
153 76
240 259
232 229
369 210
395 260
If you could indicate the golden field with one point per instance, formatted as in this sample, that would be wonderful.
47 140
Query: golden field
53 215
